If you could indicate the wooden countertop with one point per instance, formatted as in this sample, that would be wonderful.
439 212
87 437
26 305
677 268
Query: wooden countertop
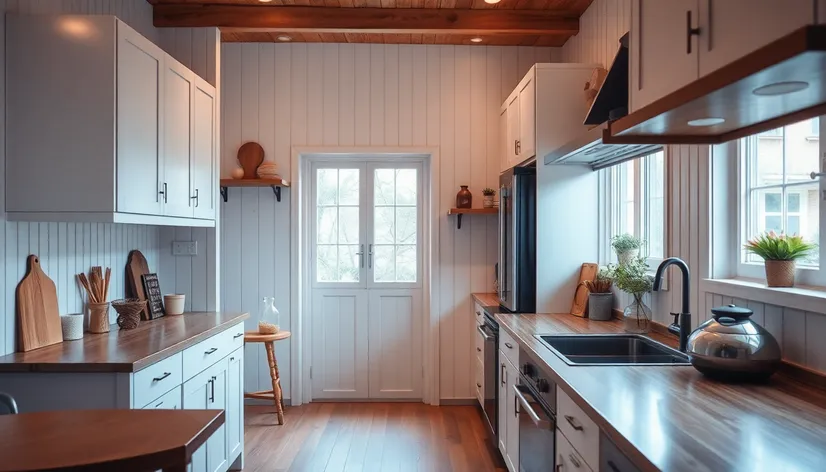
123 350
486 299
672 418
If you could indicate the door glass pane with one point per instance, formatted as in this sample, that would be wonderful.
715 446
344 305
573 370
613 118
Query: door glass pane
396 225
337 225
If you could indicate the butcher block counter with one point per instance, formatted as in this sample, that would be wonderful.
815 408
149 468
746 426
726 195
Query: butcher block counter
672 418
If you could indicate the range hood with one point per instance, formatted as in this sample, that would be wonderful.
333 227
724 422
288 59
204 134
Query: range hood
610 103
778 84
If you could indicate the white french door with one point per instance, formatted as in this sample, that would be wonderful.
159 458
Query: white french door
366 268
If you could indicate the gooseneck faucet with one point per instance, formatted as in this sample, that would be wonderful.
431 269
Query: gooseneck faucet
683 328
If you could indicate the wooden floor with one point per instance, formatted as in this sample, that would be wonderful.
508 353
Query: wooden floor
368 437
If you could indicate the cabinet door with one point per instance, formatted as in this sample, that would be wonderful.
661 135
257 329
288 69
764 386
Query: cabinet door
235 403
664 57
503 405
196 397
217 443
512 441
513 130
526 148
139 94
203 152
479 385
731 29
178 84
504 136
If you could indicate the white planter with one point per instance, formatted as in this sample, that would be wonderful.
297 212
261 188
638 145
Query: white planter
626 257
487 201
72 326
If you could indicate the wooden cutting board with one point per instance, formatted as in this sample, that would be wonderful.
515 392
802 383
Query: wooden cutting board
136 266
38 315
588 272
250 156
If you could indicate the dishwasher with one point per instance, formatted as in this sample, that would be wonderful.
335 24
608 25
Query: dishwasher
536 406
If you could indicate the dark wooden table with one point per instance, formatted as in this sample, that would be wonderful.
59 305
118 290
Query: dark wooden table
98 440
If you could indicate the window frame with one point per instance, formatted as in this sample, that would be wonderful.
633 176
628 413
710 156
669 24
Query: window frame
812 275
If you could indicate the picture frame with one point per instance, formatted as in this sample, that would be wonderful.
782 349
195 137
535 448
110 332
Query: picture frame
154 299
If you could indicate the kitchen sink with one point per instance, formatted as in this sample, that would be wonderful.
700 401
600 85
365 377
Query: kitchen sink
612 349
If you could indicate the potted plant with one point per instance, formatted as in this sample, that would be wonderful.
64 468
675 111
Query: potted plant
632 277
487 194
627 247
780 252
600 297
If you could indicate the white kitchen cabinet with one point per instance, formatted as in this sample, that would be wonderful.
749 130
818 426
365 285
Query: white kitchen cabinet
235 403
503 407
512 137
505 144
102 126
526 146
508 419
196 397
207 391
674 43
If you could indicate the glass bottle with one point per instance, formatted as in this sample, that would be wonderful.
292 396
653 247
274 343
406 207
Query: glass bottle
268 316
637 316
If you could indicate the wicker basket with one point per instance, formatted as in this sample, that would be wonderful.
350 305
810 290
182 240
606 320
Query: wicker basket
780 273
129 312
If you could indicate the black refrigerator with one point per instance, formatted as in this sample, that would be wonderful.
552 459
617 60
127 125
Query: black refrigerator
517 240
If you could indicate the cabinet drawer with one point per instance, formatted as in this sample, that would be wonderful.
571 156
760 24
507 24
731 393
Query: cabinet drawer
479 383
171 400
157 379
479 314
211 350
578 428
569 459
480 344
509 347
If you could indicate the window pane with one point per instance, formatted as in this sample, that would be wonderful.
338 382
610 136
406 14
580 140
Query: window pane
653 211
348 187
772 203
405 263
326 263
348 263
768 160
793 202
384 264
348 225
772 223
384 187
327 186
801 151
406 186
406 225
327 229
793 225
384 225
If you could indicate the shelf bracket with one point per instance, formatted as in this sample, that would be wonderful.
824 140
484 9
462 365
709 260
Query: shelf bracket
459 221
224 193
277 191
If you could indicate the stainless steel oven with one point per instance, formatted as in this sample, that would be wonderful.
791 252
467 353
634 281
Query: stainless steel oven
490 331
536 400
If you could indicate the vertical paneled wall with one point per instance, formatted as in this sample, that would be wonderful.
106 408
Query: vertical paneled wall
365 95
688 211
66 249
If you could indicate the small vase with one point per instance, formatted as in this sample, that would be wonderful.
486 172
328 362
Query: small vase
600 306
487 201
780 273
268 317
98 317
637 316
625 257
464 199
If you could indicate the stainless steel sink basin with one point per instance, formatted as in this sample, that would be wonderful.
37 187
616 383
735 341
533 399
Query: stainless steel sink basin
612 349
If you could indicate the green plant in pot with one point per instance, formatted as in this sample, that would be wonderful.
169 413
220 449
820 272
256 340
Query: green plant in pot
487 197
780 252
632 278
600 297
627 247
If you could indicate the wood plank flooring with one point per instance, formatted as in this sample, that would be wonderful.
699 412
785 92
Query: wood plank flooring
368 437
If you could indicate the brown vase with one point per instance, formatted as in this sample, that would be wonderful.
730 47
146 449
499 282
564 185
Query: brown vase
464 199
780 273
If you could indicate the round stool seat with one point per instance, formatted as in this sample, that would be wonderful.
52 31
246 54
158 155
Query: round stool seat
256 337
276 395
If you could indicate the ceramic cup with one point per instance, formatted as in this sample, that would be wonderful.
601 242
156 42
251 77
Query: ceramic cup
174 304
72 326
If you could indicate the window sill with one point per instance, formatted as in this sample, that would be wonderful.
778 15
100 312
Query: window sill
804 298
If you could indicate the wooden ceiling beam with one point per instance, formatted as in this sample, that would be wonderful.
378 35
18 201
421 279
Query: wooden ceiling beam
358 20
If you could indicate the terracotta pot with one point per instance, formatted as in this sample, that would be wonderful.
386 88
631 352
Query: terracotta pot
464 199
780 273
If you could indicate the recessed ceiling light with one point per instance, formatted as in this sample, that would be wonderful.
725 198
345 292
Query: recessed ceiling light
491 1
265 1
284 37
475 40
781 88
706 122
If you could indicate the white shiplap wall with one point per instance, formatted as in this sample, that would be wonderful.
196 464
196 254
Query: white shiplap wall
799 333
70 248
374 95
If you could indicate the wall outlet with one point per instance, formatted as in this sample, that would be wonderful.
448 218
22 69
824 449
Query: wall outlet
185 248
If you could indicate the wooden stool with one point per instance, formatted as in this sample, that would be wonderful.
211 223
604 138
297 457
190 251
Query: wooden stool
276 395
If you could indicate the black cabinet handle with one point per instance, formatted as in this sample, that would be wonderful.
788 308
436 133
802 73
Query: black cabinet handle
159 404
165 375
211 351
478 349
509 345
613 466
211 389
231 359
237 335
478 385
502 374
689 31
574 424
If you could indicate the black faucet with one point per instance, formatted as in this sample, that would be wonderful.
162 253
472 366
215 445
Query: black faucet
684 317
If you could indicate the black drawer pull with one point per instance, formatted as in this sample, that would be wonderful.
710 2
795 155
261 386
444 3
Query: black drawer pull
478 349
574 423
237 335
211 351
613 466
478 385
159 404
165 375
509 345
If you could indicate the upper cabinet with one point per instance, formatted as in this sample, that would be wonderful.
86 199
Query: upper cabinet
676 42
536 117
104 126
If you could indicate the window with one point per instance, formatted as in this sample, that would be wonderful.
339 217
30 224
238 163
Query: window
636 191
777 193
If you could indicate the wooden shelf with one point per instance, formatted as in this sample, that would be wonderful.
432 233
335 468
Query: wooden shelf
275 184
471 211
728 93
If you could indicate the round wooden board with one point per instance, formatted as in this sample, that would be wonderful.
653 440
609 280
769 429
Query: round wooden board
256 337
250 156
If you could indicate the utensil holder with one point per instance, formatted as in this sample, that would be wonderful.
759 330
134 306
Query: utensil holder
174 304
72 326
99 317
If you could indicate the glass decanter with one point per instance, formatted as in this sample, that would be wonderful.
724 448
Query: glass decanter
268 316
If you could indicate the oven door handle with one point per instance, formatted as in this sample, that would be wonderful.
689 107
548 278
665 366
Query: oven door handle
527 408
484 334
